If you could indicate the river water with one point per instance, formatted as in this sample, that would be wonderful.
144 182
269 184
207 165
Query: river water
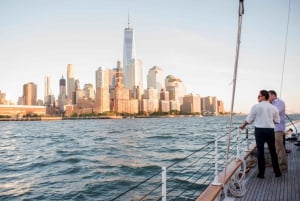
94 159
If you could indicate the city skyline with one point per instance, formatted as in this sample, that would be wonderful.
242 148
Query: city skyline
194 41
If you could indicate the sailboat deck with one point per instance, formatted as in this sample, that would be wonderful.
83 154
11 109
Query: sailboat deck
284 188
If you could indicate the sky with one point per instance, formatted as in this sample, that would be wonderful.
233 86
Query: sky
194 40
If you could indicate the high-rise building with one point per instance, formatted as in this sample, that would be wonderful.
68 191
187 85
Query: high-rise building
176 91
120 98
77 84
164 103
133 69
134 77
78 95
150 103
155 78
164 95
221 108
30 93
175 87
102 90
62 87
2 98
119 76
89 92
191 104
48 96
128 47
209 105
70 82
102 77
62 97
47 86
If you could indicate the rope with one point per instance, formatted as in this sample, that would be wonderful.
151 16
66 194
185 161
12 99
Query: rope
241 12
237 182
285 46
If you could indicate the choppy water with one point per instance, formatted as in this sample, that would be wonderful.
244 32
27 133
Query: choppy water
93 159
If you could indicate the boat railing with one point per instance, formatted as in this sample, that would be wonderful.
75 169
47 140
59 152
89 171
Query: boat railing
187 177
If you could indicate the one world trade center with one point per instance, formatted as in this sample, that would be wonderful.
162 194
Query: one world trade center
133 71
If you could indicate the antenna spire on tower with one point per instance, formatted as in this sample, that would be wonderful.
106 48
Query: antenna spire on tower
128 20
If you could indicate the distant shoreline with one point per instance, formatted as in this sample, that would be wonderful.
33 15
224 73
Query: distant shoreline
57 118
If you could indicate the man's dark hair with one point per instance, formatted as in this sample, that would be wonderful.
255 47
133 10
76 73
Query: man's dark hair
273 92
264 93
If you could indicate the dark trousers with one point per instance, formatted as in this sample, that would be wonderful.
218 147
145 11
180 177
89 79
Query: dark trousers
267 135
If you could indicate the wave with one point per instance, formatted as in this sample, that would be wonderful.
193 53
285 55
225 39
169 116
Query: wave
97 160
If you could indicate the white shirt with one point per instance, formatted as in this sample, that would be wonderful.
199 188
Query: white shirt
264 115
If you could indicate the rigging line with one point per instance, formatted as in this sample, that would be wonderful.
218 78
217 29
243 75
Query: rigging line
285 46
241 12
137 185
146 195
208 143
198 150
292 123
189 177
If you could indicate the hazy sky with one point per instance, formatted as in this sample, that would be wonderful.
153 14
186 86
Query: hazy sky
194 40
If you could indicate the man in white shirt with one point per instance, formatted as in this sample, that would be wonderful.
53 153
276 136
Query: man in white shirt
264 116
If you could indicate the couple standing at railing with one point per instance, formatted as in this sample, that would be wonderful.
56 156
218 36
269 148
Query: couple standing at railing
269 122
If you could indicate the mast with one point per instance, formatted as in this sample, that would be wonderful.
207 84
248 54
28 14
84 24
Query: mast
285 47
238 42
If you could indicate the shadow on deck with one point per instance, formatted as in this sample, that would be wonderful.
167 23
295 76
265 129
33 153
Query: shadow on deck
271 188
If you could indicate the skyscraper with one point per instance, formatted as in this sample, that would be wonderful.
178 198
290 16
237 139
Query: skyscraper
155 78
133 70
48 97
176 91
47 86
102 90
89 92
62 97
30 93
209 105
2 98
175 87
135 75
129 46
70 82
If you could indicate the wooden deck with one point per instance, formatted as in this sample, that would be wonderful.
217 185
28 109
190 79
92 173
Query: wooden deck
271 188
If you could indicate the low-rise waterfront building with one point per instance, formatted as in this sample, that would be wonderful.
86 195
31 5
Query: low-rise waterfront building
22 110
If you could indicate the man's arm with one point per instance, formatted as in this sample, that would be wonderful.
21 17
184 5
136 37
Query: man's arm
244 125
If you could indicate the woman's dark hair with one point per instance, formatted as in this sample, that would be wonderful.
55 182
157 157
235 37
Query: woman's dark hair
264 93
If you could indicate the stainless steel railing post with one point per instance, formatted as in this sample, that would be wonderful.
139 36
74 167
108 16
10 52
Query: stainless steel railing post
164 184
216 181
